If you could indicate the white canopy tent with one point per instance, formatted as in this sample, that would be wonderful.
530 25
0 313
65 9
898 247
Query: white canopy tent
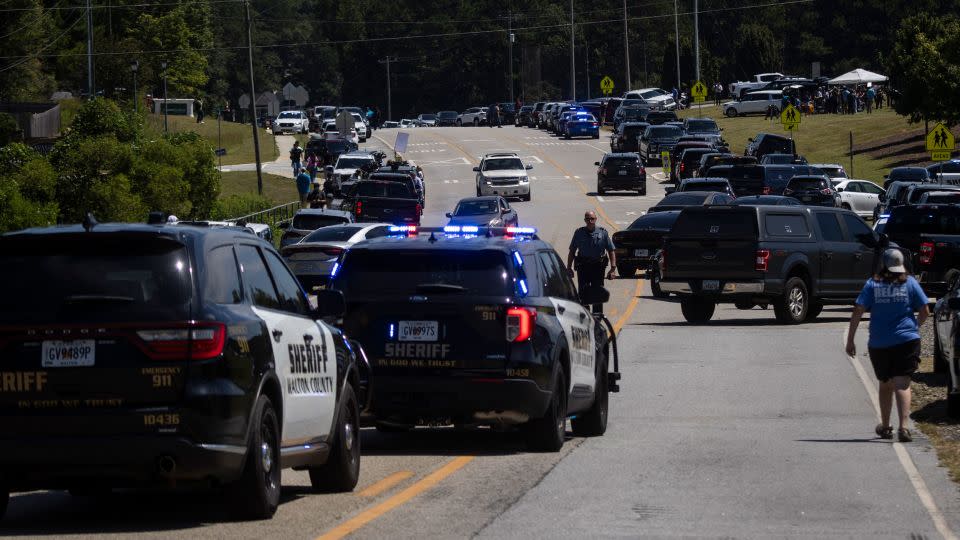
859 76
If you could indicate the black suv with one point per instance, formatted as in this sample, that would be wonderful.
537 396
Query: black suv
767 143
812 190
154 354
480 327
796 258
621 172
626 136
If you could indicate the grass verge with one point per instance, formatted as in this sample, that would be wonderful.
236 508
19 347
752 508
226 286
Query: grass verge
278 189
236 138
825 138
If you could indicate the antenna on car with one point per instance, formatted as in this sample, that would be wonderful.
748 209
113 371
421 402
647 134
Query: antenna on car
89 222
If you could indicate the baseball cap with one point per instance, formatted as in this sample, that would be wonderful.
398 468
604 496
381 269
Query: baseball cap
893 261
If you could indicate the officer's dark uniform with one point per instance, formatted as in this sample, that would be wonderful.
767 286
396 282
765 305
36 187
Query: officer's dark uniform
591 257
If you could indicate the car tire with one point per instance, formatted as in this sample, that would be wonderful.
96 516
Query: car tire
731 112
793 306
597 136
593 422
845 206
940 364
548 433
527 197
626 270
478 192
459 123
4 500
257 492
953 399
697 310
342 469
600 189
476 122
655 283
814 311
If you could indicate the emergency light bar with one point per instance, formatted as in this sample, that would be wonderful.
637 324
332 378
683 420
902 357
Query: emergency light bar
465 230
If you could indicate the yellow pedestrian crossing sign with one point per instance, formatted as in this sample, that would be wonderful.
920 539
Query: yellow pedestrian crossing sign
940 138
606 85
699 90
790 118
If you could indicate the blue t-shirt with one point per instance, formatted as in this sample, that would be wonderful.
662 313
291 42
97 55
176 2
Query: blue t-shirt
891 307
303 183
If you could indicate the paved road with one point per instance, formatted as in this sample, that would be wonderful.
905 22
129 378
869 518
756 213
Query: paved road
741 428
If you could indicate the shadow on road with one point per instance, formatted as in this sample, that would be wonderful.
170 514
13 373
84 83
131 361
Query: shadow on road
766 321
618 194
871 440
444 441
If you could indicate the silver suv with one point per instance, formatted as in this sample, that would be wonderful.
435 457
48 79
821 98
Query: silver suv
504 174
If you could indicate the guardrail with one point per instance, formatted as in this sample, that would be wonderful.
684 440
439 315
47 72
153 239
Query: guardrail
271 216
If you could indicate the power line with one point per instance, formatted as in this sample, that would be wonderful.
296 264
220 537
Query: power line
126 6
564 25
33 22
26 58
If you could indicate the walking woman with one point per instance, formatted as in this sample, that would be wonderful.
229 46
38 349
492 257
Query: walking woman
892 297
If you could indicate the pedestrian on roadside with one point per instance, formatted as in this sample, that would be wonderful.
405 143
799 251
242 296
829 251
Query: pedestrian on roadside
303 186
717 93
892 296
199 111
316 198
868 98
313 164
879 98
296 157
591 249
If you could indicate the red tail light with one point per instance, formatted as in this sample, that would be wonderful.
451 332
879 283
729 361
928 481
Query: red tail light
520 323
766 190
594 124
927 251
334 251
419 209
763 260
189 341
358 209
603 171
826 191
787 191
683 167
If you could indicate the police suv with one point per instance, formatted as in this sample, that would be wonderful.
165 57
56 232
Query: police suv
474 325
138 354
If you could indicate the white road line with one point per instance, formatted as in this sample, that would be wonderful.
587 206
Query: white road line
599 198
533 177
566 177
577 177
919 486
476 140
596 147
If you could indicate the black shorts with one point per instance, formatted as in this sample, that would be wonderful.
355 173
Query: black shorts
896 361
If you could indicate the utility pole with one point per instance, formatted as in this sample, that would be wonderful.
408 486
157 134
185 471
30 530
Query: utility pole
510 47
696 36
90 82
573 66
676 29
253 98
387 61
626 47
166 102
586 59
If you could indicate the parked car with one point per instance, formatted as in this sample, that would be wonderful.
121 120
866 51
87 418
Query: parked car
658 118
834 171
783 159
945 172
626 136
523 116
581 125
678 201
895 195
291 122
308 220
427 120
384 201
486 211
656 139
768 255
621 171
656 97
704 127
754 103
313 258
473 116
861 196
915 191
407 123
931 235
447 118
677 153
633 113
812 190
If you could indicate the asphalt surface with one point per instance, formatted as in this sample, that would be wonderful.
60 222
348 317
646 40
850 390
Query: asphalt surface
741 428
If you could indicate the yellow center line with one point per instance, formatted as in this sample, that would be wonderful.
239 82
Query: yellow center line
372 513
383 485
630 307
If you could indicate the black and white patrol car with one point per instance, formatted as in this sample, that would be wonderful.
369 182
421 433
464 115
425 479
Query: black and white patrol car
152 354
472 325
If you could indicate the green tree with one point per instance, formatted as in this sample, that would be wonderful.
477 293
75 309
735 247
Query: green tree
756 50
27 189
924 67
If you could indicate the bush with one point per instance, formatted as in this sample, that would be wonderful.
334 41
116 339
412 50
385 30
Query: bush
27 196
9 130
236 206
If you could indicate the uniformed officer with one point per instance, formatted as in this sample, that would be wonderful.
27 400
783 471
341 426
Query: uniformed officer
590 249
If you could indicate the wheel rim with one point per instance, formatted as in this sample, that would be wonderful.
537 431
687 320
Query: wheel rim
267 456
795 302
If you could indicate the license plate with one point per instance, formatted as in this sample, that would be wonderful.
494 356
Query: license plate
711 284
622 173
641 253
418 330
77 353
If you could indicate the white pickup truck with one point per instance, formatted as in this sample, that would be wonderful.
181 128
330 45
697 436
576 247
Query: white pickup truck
739 88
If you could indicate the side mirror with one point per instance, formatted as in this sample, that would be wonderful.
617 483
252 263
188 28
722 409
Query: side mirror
953 303
750 139
597 163
476 169
529 167
330 303
595 295
328 168
283 225
839 190
449 214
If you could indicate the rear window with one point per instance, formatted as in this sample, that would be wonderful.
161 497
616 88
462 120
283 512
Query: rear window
620 162
702 126
706 186
657 220
786 225
434 272
807 183
683 199
311 222
923 221
332 234
908 174
94 278
633 114
663 132
776 178
632 131
716 224
693 155
352 163
392 190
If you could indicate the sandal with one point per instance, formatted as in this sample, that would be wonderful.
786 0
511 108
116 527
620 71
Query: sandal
904 435
884 432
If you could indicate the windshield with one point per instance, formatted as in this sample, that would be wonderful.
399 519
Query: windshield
393 190
333 234
477 272
352 163
702 126
663 132
428 117
911 220
649 94
97 278
476 208
658 220
502 164
620 162
309 222
706 186
908 174
807 183
289 114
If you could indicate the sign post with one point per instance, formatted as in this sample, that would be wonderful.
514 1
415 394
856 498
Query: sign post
699 93
606 85
790 118
665 161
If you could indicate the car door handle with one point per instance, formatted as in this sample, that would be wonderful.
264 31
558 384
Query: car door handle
827 255
858 256
277 334
561 309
